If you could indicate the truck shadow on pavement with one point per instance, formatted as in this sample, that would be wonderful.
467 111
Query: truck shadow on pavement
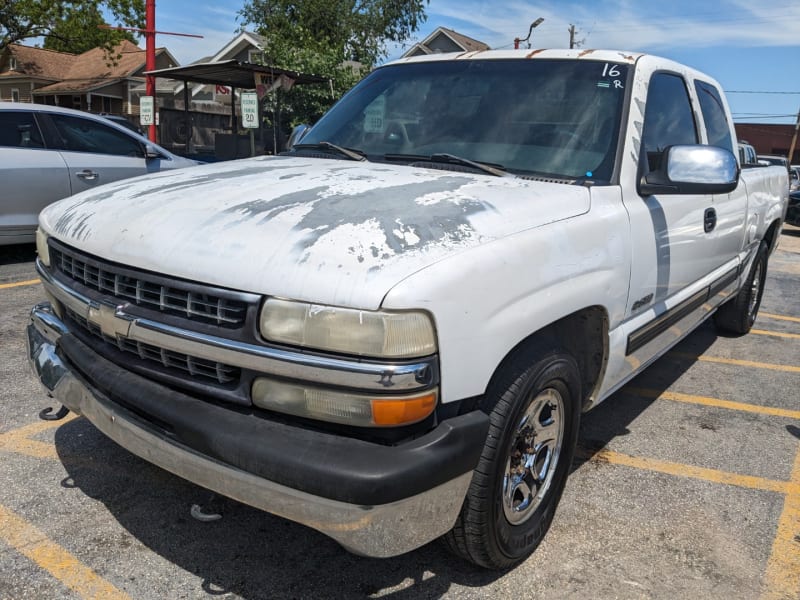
256 555
611 418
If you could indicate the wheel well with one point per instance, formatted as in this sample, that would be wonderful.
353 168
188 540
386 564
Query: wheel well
771 237
584 334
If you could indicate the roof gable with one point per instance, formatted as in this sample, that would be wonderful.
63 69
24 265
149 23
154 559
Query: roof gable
39 62
442 37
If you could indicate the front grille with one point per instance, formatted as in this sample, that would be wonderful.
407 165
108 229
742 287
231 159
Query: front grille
176 362
143 289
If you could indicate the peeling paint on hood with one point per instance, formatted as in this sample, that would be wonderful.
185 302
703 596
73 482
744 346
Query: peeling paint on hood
327 231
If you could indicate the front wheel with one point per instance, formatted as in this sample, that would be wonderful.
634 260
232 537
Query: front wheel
534 411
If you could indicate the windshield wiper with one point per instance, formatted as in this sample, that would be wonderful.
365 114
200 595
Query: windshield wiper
349 153
443 157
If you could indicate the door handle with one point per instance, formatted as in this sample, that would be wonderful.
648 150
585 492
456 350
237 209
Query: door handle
709 220
87 174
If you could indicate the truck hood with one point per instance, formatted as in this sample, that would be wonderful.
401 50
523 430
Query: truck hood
322 230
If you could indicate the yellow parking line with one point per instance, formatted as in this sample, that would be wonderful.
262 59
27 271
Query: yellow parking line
715 402
795 336
779 317
782 577
18 440
4 286
61 564
738 363
692 472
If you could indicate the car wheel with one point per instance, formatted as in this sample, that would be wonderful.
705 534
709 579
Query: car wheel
738 314
534 411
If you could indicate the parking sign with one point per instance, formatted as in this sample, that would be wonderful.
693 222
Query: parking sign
146 110
249 105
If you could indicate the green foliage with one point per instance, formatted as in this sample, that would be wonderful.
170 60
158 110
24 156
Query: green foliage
25 19
80 30
337 39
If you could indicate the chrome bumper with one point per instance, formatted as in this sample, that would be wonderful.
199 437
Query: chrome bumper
377 531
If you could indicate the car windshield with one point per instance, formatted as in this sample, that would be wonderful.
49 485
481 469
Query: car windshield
551 118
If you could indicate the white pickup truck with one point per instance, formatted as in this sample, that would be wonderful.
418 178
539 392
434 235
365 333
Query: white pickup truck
389 334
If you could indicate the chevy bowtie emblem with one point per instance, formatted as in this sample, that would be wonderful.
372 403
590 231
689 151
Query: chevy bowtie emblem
110 318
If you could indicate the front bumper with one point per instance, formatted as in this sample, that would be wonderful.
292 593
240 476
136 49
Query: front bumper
374 500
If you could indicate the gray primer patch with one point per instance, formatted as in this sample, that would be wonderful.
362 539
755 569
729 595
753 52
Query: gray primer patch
394 208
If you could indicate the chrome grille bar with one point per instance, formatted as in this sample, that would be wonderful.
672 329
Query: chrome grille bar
139 290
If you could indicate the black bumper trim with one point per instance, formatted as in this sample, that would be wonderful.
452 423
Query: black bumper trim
322 464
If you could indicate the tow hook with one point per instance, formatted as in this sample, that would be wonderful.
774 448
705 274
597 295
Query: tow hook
47 413
206 512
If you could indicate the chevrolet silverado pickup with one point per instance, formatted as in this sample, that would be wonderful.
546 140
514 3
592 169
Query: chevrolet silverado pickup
390 332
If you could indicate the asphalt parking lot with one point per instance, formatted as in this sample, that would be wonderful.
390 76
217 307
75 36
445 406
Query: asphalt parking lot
687 485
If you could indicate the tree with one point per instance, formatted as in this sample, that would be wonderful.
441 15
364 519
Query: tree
337 39
26 19
81 30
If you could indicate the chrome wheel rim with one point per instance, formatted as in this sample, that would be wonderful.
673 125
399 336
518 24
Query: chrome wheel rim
533 456
755 287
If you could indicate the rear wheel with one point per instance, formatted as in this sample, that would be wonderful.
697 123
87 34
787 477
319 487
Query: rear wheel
534 409
738 314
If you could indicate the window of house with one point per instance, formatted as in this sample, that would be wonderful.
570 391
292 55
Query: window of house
18 129
668 119
86 135
254 56
76 102
14 95
12 63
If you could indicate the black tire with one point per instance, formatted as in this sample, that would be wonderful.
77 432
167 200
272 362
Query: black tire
739 313
495 529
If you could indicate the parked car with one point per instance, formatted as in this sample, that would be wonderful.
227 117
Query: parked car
747 155
48 153
120 120
794 178
793 211
771 159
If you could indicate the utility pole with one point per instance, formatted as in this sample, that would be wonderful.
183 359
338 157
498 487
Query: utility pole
572 41
794 139
150 32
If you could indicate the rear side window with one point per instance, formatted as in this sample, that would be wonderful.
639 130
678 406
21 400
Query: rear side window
85 135
18 129
668 119
717 125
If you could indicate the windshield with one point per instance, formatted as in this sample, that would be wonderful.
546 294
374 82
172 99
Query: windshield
557 118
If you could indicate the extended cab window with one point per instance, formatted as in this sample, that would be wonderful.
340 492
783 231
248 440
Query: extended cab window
717 126
668 120
18 129
84 135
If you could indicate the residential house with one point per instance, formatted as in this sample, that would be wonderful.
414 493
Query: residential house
445 40
94 81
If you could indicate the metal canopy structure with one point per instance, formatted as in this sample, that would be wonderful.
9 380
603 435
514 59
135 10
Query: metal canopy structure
234 74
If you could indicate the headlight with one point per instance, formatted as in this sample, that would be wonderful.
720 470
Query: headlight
380 334
42 249
360 410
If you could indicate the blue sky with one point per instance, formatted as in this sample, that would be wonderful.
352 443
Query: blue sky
746 46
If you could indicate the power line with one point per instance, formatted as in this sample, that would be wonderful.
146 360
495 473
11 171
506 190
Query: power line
761 92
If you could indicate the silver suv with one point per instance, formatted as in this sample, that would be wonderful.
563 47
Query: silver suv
48 153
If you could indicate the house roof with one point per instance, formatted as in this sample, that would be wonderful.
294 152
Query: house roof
93 69
469 44
39 62
466 43
237 44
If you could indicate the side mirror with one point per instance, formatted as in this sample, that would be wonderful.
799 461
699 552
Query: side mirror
150 152
297 134
692 170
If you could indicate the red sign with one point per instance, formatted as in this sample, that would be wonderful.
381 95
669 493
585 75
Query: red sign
221 89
